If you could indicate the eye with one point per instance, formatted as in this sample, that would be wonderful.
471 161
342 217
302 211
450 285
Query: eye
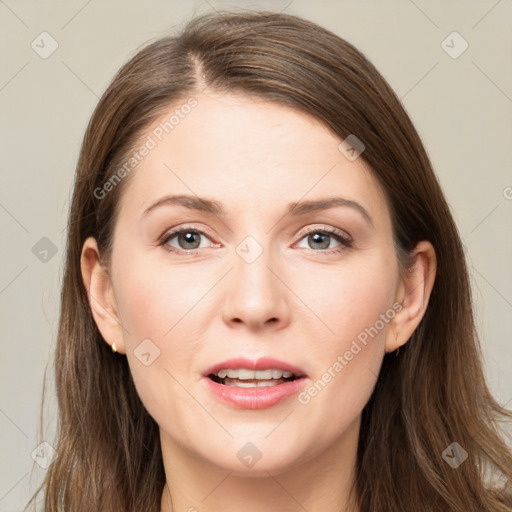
188 240
320 239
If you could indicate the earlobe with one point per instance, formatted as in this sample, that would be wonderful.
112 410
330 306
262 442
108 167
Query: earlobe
413 294
100 293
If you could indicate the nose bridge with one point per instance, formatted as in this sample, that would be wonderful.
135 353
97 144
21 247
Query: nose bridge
252 274
255 293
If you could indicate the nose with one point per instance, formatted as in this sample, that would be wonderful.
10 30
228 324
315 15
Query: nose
256 295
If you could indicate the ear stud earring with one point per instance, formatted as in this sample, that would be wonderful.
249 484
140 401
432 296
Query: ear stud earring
114 348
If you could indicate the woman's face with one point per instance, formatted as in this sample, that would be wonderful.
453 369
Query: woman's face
263 276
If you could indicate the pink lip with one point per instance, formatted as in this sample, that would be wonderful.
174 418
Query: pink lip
259 397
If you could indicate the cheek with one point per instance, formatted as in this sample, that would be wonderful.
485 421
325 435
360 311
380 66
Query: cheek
350 299
357 308
154 299
161 313
153 306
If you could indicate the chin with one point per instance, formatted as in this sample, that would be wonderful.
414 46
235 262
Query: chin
256 456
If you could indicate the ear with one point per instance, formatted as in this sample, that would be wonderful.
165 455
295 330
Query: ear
100 292
413 294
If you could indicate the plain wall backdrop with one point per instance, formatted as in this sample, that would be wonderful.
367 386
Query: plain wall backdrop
57 58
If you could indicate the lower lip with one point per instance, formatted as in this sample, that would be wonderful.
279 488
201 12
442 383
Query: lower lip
257 397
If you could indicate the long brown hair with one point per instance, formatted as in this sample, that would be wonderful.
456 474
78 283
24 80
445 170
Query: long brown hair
430 396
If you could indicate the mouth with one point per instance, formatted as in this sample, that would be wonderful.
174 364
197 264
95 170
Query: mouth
260 384
245 378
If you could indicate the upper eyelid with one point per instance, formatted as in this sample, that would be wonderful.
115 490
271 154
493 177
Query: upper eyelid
329 229
178 229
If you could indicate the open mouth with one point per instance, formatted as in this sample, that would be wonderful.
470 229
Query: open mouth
245 378
254 384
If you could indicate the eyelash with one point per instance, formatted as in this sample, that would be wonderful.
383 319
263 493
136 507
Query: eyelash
344 241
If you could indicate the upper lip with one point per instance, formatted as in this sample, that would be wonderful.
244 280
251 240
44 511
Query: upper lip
263 363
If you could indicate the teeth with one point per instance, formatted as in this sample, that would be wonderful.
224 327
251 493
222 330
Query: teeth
260 384
263 374
245 374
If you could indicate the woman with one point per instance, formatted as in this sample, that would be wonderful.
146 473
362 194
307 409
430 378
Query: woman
266 304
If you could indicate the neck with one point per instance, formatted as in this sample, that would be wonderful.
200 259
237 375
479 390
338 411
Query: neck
321 482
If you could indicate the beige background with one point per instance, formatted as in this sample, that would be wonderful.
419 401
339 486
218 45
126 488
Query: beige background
461 106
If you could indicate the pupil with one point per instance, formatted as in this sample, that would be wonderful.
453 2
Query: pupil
316 237
187 238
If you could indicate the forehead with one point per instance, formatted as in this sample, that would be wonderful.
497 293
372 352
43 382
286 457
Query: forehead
248 153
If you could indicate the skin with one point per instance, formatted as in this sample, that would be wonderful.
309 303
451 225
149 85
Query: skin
254 157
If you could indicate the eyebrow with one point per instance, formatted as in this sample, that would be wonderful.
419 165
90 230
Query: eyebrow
296 208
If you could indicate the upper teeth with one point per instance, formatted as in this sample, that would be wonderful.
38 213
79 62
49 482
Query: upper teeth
244 374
